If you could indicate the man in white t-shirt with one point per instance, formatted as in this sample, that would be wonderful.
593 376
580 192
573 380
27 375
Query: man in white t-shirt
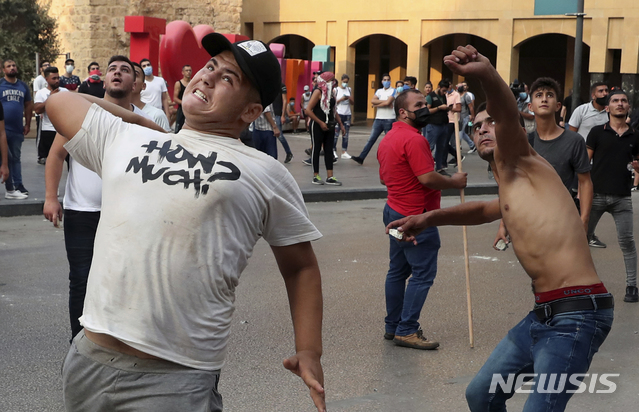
156 94
83 194
343 102
591 114
39 82
180 216
154 113
46 132
384 117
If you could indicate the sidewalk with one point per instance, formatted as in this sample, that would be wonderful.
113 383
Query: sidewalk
359 182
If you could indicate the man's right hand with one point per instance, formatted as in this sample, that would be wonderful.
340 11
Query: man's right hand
460 180
276 132
502 234
4 173
323 126
468 62
53 211
410 226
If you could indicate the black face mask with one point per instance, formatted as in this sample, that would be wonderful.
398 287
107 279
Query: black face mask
422 117
460 89
601 101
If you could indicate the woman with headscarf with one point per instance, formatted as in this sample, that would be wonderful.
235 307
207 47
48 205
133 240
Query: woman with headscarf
321 111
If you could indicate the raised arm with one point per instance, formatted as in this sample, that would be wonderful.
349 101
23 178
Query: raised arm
301 274
67 112
512 142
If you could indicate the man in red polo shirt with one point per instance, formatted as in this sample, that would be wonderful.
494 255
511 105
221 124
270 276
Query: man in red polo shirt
408 171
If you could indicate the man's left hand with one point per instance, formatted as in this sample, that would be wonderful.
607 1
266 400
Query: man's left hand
27 129
306 365
4 173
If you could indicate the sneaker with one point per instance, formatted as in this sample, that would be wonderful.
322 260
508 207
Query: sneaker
289 157
332 181
634 189
334 154
317 180
631 294
42 161
415 341
15 194
335 159
346 156
307 162
358 160
473 150
22 190
389 336
595 242
443 172
308 151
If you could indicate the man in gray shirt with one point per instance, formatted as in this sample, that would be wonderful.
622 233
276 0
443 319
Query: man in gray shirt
590 114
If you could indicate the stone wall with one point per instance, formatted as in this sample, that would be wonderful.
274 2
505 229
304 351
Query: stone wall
93 30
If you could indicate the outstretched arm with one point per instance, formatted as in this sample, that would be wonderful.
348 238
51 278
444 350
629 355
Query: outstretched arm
298 266
511 139
465 214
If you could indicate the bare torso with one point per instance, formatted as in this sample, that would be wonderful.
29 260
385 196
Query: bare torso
547 234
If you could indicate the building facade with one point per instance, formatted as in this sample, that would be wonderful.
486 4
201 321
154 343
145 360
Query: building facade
370 37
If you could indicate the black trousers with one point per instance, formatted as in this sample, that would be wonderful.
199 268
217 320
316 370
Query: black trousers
322 138
79 235
44 144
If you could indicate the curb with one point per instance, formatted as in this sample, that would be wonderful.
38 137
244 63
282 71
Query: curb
34 207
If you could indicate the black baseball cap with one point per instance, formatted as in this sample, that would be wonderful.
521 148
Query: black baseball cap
255 59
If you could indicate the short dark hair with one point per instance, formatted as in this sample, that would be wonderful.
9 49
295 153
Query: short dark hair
345 76
616 90
400 101
144 60
546 83
120 58
49 70
594 86
411 79
385 74
134 64
444 83
183 67
428 82
67 61
5 61
43 62
92 64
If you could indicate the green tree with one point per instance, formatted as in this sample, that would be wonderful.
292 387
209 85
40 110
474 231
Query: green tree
27 28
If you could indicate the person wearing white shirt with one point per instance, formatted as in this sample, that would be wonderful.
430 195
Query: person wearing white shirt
344 100
154 113
156 93
384 117
590 114
46 132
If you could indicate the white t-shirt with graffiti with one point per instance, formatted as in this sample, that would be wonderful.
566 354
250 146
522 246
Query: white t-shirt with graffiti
181 214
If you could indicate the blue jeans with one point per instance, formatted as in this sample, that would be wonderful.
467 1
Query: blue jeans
264 141
404 301
438 140
563 344
379 126
462 132
14 141
281 138
620 207
346 120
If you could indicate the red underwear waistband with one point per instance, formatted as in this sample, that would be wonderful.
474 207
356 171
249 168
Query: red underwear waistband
570 291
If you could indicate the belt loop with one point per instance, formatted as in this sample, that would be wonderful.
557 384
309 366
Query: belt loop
547 312
594 302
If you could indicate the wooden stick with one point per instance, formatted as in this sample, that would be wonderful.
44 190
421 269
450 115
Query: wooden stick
466 260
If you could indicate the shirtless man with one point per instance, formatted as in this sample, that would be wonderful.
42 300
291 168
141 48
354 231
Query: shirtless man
550 242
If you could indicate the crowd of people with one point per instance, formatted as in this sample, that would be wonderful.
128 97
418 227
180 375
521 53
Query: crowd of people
137 162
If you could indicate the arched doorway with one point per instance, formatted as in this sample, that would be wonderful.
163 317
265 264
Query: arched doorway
442 46
552 55
374 55
297 47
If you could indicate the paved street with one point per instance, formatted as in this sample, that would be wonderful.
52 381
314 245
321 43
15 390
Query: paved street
363 371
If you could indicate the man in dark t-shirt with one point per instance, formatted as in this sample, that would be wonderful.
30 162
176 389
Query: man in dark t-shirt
613 149
437 129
